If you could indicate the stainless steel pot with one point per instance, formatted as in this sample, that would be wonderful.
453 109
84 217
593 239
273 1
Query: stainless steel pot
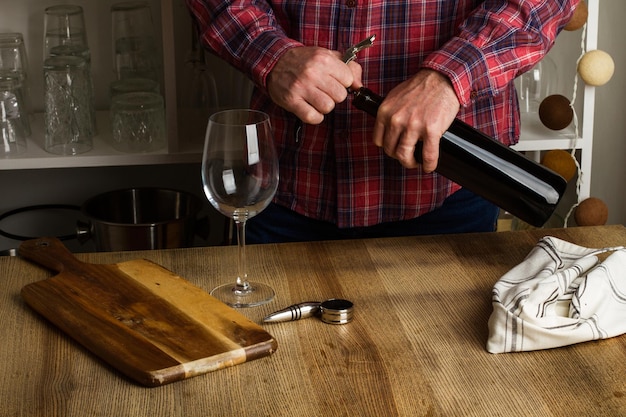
142 218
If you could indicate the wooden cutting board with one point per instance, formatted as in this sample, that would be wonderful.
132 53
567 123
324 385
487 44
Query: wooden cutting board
147 322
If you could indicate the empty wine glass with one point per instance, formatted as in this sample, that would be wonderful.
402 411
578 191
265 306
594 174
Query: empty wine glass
240 177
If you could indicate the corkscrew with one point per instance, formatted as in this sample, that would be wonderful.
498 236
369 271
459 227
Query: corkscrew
350 54
333 311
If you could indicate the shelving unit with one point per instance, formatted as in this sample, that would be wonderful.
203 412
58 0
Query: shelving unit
178 150
175 28
536 138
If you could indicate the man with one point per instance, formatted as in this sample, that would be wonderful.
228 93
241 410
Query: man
344 173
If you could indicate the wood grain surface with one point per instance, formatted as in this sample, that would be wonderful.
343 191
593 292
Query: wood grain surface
416 345
141 318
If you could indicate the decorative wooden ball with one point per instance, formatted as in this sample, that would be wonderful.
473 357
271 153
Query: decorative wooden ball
555 112
591 212
561 162
579 18
596 67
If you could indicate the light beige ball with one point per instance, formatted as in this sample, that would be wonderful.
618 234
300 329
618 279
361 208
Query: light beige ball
596 68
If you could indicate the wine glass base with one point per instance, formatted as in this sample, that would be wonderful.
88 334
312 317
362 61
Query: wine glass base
256 295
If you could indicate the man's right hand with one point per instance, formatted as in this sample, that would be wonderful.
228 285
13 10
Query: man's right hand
309 81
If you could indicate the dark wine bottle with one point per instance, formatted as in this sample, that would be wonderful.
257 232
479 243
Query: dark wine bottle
486 167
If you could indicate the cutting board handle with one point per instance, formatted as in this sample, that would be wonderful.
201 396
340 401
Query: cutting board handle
49 252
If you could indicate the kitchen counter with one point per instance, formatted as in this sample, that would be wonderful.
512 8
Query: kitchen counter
416 346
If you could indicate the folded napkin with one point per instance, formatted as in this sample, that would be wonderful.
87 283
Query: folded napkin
559 295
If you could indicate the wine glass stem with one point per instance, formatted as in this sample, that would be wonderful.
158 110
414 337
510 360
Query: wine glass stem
242 276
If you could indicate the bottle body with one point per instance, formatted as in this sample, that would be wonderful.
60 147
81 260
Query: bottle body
488 168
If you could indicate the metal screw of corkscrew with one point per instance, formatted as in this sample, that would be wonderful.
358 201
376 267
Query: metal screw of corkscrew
350 54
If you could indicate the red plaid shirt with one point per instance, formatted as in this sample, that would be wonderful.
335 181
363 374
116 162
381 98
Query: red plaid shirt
334 172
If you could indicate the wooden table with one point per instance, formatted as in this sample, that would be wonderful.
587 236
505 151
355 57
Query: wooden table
416 346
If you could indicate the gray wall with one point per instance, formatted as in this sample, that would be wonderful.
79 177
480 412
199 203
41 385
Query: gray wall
609 150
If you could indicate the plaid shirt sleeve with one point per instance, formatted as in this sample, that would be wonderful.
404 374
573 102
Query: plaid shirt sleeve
244 33
497 42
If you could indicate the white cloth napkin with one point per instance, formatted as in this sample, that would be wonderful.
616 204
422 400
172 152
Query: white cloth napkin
559 295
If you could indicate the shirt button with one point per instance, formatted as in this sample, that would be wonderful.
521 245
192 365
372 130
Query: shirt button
351 3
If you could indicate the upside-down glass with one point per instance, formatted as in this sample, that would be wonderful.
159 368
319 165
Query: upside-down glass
240 178
14 97
64 25
14 64
67 106
83 52
135 49
138 122
12 113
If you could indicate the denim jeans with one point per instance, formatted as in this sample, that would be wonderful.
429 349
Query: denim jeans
462 212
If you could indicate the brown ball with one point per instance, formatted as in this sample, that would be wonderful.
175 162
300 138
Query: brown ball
591 212
561 162
555 112
579 18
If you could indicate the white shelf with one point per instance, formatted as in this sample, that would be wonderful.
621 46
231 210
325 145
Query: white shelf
536 137
102 154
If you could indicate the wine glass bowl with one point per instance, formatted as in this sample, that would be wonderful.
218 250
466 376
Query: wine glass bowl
240 178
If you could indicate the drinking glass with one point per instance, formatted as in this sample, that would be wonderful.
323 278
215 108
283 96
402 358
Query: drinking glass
64 25
199 98
12 128
13 86
67 106
134 44
84 53
536 84
138 122
14 64
240 178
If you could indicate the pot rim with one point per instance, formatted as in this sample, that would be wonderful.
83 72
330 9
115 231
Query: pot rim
195 206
